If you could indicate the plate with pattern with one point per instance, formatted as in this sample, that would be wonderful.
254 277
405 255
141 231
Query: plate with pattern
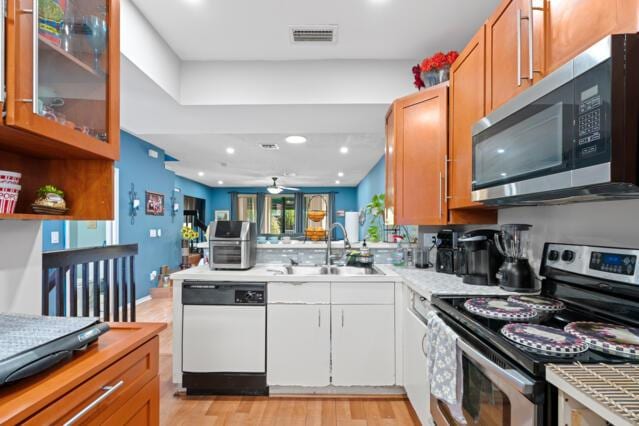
608 338
540 303
501 309
545 339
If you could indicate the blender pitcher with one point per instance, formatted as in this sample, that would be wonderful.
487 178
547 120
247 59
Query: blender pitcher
516 273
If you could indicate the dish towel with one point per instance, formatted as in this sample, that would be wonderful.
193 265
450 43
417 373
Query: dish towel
442 360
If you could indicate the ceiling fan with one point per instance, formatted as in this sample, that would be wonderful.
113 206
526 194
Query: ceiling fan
277 189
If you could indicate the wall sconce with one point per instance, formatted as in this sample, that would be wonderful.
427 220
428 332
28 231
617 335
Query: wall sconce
175 206
134 204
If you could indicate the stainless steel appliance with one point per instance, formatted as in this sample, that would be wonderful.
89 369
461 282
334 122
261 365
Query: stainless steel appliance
504 383
232 244
515 273
224 338
478 259
570 137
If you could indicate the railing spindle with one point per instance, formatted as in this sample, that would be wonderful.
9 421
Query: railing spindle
85 289
45 291
73 289
59 292
132 286
96 289
107 294
116 291
125 293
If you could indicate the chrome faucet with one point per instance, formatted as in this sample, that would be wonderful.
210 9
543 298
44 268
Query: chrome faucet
347 244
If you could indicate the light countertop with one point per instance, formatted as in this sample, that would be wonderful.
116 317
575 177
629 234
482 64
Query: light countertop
320 245
426 282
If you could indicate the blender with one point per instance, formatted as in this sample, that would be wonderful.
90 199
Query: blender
515 274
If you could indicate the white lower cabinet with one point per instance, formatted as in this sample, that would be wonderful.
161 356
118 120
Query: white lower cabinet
416 380
363 345
299 341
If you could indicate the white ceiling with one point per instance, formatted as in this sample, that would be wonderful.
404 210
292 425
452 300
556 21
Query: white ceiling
205 30
315 163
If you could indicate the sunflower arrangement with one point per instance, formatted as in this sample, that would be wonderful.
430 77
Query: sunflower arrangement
189 233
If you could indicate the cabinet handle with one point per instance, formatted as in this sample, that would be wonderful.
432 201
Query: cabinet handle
440 195
342 318
34 95
108 391
446 162
424 351
518 47
531 60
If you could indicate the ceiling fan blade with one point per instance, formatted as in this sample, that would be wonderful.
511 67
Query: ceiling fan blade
290 189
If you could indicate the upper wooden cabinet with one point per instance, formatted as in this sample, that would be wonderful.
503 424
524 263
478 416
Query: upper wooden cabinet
390 166
418 172
467 106
61 75
62 81
574 25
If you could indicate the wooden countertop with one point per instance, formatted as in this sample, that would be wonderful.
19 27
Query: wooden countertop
27 397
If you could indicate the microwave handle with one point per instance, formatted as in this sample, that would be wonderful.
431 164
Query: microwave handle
514 379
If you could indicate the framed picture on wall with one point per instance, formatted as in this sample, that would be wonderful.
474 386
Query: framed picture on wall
222 215
154 204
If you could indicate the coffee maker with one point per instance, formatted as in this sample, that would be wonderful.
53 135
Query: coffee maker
515 273
447 247
478 259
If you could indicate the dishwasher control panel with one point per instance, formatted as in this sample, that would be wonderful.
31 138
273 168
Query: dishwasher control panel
248 297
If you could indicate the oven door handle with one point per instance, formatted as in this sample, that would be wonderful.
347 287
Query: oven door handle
513 378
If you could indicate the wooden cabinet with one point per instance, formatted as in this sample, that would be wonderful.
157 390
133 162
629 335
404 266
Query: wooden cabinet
62 124
363 345
420 175
574 25
416 366
115 381
467 106
299 342
508 41
391 168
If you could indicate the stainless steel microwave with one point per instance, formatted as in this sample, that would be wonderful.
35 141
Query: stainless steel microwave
571 137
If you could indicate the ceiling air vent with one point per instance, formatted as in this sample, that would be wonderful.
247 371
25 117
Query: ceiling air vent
270 146
314 34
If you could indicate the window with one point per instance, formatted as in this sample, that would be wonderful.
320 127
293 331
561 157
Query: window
316 202
247 207
279 214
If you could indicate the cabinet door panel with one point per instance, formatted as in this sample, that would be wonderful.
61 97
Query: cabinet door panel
415 366
363 345
505 50
390 166
298 342
421 151
467 106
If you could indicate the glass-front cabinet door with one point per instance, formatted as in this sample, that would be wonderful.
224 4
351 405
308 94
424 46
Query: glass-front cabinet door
63 79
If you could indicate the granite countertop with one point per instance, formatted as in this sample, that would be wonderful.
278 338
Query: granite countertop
320 245
428 283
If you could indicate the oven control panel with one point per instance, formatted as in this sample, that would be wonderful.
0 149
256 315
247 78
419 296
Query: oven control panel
613 264
249 297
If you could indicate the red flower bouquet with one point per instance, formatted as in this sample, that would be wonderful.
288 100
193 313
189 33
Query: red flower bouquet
434 69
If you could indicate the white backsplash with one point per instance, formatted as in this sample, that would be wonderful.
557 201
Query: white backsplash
311 256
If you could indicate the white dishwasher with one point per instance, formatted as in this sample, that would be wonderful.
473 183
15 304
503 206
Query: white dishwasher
224 338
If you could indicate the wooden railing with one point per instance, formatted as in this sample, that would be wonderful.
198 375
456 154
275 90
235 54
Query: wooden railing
104 277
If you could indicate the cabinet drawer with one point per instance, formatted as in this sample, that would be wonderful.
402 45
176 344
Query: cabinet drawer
353 293
125 378
142 409
299 292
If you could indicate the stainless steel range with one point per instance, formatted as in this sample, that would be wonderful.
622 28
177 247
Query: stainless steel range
503 379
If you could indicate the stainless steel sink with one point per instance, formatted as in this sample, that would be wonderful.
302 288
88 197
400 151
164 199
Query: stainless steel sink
332 270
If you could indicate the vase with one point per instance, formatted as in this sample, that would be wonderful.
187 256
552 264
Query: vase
186 250
443 74
430 78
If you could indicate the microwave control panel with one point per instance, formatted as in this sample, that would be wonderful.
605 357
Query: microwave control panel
589 122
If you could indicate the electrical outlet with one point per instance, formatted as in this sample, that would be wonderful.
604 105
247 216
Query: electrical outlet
159 232
55 237
153 233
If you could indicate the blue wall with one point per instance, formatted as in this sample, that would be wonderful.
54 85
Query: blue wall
195 189
49 226
373 183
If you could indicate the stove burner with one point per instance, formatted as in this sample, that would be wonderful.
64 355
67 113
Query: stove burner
539 303
608 338
545 340
500 309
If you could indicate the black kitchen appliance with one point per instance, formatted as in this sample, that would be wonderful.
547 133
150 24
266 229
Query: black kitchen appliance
594 284
515 273
570 137
478 259
447 247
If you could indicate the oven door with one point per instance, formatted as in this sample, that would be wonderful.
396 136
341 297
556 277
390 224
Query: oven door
492 395
227 254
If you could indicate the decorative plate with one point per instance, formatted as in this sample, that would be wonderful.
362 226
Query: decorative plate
48 210
609 338
500 309
544 304
546 339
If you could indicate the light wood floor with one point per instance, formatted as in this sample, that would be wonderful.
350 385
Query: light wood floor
183 410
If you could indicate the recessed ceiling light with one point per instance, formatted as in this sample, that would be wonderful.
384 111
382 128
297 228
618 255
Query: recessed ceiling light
230 150
501 151
344 150
296 139
340 174
220 182
337 182
504 174
200 174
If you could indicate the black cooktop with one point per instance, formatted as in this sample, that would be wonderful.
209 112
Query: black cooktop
488 331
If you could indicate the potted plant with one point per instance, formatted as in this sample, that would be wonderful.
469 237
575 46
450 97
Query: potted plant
375 215
434 69
50 201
